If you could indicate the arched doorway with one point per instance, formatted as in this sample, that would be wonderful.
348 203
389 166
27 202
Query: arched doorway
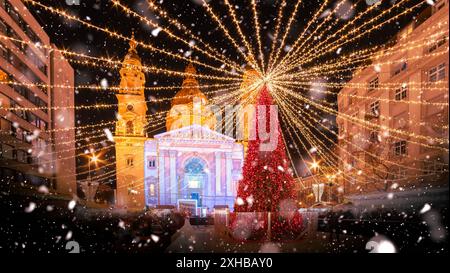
195 179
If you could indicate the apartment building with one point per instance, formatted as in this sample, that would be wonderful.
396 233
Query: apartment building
403 90
37 145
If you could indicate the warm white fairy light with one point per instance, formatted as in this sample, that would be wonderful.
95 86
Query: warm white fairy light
283 76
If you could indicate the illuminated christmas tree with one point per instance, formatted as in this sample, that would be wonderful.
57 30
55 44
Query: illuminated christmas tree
267 182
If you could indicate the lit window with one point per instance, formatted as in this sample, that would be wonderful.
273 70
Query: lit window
375 108
373 84
152 189
440 42
436 73
400 148
401 93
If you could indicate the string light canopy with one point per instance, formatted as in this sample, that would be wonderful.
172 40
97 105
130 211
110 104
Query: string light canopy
289 67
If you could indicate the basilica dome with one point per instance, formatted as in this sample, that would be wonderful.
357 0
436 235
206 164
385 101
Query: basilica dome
190 105
190 89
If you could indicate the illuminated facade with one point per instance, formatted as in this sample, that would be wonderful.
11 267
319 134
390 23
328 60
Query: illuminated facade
36 146
190 164
375 159
130 135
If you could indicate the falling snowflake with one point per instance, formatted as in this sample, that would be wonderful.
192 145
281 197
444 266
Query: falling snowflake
31 207
155 238
239 201
377 68
69 235
121 224
425 208
104 83
386 247
71 204
156 31
108 134
249 200
43 189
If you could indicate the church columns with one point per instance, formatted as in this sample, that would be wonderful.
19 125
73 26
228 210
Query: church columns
229 178
162 185
218 172
173 177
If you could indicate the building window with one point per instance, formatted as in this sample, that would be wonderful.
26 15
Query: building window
21 156
5 125
400 148
130 127
6 151
399 173
373 84
436 73
399 68
152 163
401 93
375 108
130 161
18 133
374 137
438 6
152 190
437 44
434 167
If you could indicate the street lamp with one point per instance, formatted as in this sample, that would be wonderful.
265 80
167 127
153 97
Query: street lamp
93 158
314 166
88 187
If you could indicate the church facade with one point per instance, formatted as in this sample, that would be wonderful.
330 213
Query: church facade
189 166
192 166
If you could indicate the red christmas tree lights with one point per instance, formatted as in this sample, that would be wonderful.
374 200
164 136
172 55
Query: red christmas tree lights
266 182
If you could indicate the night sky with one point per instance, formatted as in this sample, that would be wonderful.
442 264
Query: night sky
75 37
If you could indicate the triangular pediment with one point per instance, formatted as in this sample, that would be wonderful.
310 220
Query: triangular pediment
194 132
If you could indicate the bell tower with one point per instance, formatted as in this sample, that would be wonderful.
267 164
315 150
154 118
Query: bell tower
130 134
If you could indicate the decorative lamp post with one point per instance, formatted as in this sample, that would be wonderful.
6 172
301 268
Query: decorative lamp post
317 188
89 187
